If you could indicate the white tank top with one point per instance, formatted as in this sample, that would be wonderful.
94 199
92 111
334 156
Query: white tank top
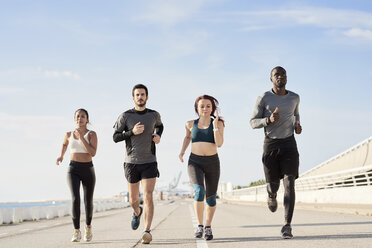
76 146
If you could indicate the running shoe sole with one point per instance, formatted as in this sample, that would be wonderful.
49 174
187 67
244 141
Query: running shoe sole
272 203
146 238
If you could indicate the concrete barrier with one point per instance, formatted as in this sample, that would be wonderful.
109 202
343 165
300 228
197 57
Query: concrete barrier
20 214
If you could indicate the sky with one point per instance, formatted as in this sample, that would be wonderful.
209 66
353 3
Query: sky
58 56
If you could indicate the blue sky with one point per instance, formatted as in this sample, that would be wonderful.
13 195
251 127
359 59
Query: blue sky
59 56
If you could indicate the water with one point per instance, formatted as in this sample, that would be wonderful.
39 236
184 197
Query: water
32 204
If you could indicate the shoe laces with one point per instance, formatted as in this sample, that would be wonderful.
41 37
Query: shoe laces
287 229
76 235
208 231
200 229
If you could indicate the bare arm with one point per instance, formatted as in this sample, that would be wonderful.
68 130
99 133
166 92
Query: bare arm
218 130
91 147
64 148
186 140
218 133
298 127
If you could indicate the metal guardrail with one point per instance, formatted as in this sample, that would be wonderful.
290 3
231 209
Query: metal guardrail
361 176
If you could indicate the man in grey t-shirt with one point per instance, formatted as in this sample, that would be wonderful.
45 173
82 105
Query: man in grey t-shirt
277 112
141 129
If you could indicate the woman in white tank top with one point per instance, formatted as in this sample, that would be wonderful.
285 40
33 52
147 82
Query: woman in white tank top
82 149
83 146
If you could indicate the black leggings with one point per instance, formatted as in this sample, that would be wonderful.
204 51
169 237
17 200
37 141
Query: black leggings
81 172
289 195
204 168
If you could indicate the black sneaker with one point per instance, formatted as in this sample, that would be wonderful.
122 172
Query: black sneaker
208 233
136 219
286 232
272 203
199 232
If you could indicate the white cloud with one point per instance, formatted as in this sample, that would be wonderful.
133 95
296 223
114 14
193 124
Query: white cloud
169 12
31 126
320 17
60 74
357 23
359 33
330 18
6 91
16 75
83 33
255 28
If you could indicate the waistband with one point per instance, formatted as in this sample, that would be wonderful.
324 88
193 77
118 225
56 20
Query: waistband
204 159
81 164
283 144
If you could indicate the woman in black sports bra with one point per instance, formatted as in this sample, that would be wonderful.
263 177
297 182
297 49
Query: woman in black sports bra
205 134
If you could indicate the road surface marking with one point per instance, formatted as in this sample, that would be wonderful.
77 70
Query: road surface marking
200 243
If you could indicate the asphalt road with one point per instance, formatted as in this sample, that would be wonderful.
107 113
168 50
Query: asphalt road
174 224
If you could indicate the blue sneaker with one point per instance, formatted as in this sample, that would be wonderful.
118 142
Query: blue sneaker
136 219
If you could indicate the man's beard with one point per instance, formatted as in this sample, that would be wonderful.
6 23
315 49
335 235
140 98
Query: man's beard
280 84
141 104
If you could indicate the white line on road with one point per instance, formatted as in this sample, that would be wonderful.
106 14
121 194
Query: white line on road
200 243
3 234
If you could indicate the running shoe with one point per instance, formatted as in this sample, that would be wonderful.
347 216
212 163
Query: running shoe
286 232
199 232
146 237
88 234
76 236
208 233
272 203
136 219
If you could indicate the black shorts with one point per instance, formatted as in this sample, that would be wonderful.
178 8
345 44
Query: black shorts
279 162
136 172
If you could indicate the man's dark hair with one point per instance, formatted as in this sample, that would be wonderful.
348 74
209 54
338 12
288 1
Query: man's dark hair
278 68
140 86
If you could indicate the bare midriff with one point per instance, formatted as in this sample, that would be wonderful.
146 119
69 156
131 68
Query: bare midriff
203 148
81 157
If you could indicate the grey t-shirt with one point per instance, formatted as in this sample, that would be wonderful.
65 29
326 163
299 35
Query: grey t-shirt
140 149
288 111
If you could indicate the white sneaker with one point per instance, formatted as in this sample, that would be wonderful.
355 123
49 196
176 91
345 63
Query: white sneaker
146 238
88 234
76 236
